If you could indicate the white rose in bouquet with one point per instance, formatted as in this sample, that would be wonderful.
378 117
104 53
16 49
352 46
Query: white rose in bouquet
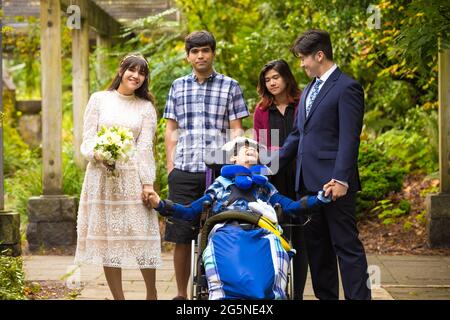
114 144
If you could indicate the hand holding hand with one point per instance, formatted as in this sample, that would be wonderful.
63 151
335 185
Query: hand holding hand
154 199
147 189
328 187
337 189
322 198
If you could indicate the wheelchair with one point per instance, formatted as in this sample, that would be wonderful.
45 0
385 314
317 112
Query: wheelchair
198 285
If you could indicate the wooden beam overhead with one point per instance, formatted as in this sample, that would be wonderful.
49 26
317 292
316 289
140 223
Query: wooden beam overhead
97 18
123 11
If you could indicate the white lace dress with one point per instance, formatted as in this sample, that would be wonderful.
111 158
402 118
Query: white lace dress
114 227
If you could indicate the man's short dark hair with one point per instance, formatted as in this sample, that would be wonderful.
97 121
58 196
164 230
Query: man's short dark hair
199 39
312 41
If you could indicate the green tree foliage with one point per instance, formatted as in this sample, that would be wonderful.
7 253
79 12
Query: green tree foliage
22 49
396 64
425 23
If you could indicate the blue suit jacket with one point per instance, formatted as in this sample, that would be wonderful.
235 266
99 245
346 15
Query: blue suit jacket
326 142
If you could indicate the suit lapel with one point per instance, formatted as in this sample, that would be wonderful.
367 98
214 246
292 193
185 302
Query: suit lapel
331 81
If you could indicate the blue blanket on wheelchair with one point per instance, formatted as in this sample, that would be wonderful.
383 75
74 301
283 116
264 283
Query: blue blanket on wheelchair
245 264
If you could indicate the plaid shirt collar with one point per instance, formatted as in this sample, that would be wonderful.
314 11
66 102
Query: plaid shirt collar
193 77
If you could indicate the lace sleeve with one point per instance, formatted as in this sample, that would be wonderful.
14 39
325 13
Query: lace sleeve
90 128
144 146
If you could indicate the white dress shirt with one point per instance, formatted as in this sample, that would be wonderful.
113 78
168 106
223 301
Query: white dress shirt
323 78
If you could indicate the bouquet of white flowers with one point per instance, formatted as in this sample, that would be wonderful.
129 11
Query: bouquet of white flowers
114 144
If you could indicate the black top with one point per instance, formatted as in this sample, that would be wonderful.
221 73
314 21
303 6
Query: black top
284 123
284 180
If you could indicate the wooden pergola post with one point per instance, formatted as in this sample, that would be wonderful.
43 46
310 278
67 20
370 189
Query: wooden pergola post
51 96
438 205
52 216
444 120
80 78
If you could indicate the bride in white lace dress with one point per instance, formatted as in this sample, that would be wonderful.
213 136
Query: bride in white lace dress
115 229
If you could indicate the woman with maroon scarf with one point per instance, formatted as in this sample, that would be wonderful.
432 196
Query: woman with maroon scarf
275 113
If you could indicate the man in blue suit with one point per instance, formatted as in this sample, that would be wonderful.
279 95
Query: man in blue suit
326 142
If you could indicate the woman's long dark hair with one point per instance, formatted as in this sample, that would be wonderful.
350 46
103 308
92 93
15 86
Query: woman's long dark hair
292 90
134 61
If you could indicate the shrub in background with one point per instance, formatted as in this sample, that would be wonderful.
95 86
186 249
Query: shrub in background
410 150
379 175
12 278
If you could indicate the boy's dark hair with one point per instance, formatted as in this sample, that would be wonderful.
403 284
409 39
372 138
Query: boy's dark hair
312 41
199 39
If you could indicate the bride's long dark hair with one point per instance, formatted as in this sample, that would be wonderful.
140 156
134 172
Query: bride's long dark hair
134 61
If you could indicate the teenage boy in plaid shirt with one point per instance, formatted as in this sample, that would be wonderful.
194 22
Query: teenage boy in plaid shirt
201 107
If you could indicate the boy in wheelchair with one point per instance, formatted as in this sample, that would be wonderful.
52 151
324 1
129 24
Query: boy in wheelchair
242 190
242 186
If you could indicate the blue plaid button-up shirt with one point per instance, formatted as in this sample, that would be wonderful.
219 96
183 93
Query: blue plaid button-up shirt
203 113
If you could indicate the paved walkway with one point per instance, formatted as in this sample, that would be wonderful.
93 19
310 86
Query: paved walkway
393 277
